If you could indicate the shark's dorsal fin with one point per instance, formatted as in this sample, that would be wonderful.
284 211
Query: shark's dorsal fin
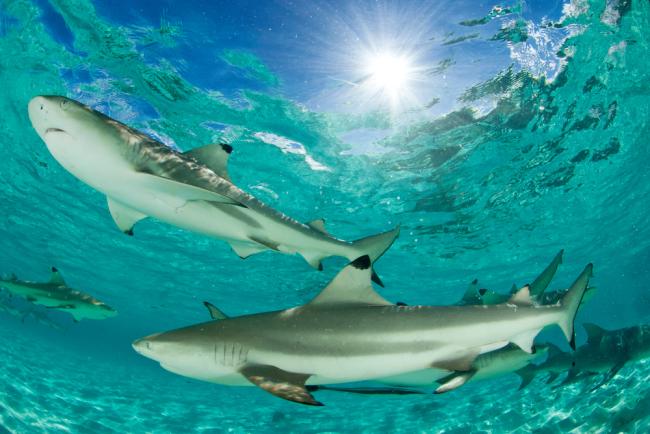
124 217
214 157
215 313
318 225
513 288
594 333
56 278
351 286
521 297
471 295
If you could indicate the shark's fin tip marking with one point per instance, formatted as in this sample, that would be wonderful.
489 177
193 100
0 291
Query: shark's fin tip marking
361 263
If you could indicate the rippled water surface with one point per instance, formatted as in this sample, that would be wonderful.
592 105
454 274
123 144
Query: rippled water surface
520 129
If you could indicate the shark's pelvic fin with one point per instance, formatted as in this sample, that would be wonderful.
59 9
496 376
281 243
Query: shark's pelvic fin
594 333
124 217
318 225
244 250
521 297
56 278
462 362
314 260
527 375
283 384
214 157
454 381
215 312
177 194
525 340
351 286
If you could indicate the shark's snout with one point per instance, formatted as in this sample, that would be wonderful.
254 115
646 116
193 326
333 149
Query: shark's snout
145 346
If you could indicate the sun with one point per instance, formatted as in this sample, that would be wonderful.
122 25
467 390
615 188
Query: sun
389 73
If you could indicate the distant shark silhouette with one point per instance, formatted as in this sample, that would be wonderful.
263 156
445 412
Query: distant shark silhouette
476 295
56 294
350 333
605 352
142 177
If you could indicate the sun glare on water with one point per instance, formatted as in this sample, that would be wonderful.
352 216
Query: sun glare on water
388 73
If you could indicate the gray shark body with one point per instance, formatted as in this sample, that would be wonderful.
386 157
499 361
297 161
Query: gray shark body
605 352
142 177
55 294
350 333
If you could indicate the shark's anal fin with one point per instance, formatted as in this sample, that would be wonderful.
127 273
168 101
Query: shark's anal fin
283 384
214 157
526 340
351 286
215 312
124 217
56 277
454 381
244 250
521 297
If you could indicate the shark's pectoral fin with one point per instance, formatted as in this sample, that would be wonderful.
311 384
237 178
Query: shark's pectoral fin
214 157
525 340
177 194
527 375
552 376
368 390
244 250
124 216
215 312
609 375
283 384
454 381
62 306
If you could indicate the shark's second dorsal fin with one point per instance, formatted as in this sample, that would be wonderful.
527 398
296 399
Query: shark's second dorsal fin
318 225
56 277
215 312
471 295
351 286
214 157
521 297
594 333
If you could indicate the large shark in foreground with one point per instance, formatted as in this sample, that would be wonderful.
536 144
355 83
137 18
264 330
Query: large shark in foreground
56 294
142 177
605 352
350 333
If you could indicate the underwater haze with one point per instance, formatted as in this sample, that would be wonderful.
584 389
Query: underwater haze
495 134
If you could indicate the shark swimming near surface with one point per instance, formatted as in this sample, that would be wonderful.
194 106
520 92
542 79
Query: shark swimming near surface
350 333
142 177
56 294
605 352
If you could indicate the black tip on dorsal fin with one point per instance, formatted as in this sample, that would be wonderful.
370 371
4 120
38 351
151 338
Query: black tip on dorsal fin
226 147
474 282
54 270
482 291
573 342
362 262
375 278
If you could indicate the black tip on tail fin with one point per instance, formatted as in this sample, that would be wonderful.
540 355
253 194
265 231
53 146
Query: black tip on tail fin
362 263
375 278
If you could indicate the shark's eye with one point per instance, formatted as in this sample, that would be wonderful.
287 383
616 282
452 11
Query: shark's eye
64 104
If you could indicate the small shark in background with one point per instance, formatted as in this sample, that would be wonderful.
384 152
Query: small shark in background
350 333
56 294
605 352
476 295
142 177
8 306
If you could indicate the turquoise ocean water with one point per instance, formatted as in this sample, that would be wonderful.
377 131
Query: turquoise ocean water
526 131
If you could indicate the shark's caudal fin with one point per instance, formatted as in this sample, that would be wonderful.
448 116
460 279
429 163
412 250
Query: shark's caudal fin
571 302
542 281
375 246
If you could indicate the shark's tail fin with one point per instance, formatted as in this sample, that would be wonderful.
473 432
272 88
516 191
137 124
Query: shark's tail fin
571 302
375 246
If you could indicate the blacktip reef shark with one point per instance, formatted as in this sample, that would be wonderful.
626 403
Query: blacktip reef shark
56 294
350 333
142 177
605 352
477 295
